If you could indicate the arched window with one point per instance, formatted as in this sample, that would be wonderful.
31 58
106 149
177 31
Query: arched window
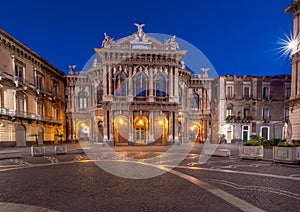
160 85
120 85
82 99
99 94
140 85
195 101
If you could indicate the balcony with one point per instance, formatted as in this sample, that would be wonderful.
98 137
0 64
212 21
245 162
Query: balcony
13 114
238 119
230 97
161 99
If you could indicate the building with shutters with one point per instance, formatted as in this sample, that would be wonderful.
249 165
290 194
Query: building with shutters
32 96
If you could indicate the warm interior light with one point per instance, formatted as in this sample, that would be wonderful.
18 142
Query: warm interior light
193 127
160 122
141 122
121 121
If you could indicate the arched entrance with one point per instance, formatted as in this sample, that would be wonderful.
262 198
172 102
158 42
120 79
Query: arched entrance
41 136
160 130
82 131
100 131
195 132
20 135
121 130
141 127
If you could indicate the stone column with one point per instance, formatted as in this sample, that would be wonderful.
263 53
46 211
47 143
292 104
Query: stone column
176 140
151 123
105 126
104 82
130 85
176 85
130 127
109 81
171 77
151 97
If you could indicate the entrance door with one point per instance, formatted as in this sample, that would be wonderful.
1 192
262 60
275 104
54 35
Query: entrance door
20 135
265 132
101 131
140 130
41 136
245 133
160 130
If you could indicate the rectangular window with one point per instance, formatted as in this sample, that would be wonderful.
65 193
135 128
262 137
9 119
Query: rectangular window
287 93
40 109
20 104
82 102
54 113
19 72
266 114
54 90
246 92
246 112
229 112
39 82
265 92
229 91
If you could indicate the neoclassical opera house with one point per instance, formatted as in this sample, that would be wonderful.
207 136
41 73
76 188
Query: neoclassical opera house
138 92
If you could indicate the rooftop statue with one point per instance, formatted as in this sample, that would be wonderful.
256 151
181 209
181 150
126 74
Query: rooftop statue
71 69
172 43
140 36
107 42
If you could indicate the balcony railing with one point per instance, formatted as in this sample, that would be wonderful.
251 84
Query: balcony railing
28 116
238 119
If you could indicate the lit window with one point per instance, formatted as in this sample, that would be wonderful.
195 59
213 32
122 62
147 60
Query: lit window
140 85
120 85
229 111
82 99
160 86
229 91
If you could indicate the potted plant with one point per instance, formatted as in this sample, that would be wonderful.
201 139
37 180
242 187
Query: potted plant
60 149
37 150
287 152
252 149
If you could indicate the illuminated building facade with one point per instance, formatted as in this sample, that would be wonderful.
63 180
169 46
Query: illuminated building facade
32 96
294 9
138 92
252 105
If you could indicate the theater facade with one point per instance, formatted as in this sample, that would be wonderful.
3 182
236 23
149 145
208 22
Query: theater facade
137 91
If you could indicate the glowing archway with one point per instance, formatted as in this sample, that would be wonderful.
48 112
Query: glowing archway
141 128
195 132
161 127
82 130
121 127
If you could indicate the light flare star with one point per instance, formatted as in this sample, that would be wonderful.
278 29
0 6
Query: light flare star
289 45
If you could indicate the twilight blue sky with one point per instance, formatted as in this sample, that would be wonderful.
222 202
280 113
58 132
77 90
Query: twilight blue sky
238 36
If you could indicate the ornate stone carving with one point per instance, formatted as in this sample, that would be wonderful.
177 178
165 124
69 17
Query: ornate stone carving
140 37
107 42
171 44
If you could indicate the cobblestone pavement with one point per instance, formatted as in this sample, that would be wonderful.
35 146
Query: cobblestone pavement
72 182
